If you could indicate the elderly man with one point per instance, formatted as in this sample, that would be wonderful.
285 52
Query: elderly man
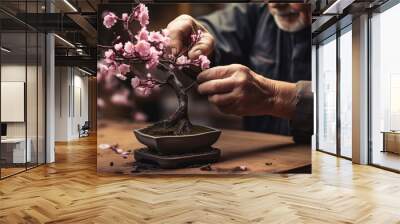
263 53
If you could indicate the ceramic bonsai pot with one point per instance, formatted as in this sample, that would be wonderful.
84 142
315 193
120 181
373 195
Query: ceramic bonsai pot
179 144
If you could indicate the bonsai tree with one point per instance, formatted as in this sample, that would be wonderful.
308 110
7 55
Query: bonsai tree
133 56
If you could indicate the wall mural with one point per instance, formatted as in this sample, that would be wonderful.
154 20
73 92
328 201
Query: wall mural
175 93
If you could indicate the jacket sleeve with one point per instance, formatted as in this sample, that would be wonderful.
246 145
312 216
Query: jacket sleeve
302 123
233 29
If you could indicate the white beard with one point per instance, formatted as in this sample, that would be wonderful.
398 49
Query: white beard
292 27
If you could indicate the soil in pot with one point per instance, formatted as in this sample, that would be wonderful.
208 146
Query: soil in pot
159 130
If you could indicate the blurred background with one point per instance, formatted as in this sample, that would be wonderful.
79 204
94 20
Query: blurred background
160 104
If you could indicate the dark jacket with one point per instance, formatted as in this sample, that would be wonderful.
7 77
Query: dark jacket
247 34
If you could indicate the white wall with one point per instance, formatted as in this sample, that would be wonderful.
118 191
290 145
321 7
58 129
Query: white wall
71 102
61 104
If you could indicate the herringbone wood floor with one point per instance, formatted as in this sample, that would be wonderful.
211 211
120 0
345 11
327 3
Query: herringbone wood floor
70 191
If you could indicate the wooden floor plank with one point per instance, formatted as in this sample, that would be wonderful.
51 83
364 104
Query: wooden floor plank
70 191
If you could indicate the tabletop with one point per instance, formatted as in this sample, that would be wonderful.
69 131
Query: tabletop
259 153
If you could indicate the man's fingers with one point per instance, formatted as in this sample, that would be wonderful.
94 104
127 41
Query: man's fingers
217 86
179 30
204 47
218 72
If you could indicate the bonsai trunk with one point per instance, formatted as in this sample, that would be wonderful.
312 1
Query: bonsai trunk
179 120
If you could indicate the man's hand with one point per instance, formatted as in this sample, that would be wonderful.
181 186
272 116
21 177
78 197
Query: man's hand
180 30
235 89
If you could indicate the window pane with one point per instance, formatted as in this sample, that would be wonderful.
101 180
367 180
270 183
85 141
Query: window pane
327 96
385 84
345 94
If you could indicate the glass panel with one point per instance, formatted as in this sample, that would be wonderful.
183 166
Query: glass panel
327 96
32 89
31 98
346 94
23 86
314 79
41 99
385 84
13 80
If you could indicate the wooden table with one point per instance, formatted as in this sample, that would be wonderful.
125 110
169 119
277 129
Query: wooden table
260 153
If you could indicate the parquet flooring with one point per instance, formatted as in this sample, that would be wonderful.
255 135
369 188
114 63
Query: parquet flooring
70 191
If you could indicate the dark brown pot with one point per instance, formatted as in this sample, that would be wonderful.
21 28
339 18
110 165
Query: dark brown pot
180 144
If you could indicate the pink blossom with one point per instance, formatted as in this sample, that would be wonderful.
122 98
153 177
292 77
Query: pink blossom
139 116
148 48
147 91
109 54
123 69
156 37
129 47
143 48
112 69
193 37
140 90
118 46
108 61
100 103
125 16
196 36
109 20
204 62
121 98
143 34
104 146
151 64
110 82
143 91
99 77
102 71
150 84
135 82
143 15
120 76
102 68
154 58
182 60
166 40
